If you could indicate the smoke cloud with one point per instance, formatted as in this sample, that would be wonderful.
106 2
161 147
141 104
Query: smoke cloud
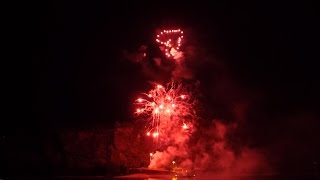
214 152
216 145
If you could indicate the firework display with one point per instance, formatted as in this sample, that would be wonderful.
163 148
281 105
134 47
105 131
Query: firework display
165 105
171 40
168 110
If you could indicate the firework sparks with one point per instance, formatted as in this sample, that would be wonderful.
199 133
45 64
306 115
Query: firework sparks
163 105
171 40
168 110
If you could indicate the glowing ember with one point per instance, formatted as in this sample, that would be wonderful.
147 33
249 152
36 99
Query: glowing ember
171 41
184 126
155 134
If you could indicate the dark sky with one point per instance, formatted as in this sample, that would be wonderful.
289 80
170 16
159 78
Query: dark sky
77 74
79 78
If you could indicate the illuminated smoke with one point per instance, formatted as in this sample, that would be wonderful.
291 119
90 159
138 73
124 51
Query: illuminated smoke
213 152
169 112
138 56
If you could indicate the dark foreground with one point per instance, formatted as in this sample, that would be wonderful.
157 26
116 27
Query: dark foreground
198 177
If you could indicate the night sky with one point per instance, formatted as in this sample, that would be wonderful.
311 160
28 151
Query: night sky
269 52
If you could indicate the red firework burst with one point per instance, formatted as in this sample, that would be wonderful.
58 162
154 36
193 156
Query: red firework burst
171 40
165 108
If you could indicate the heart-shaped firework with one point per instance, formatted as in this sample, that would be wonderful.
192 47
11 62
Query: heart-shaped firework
171 41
